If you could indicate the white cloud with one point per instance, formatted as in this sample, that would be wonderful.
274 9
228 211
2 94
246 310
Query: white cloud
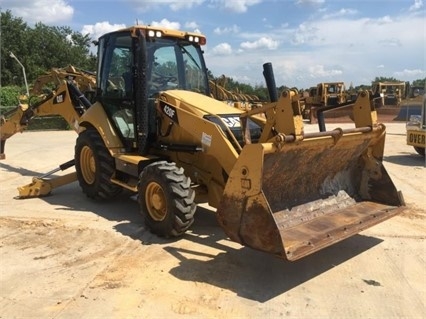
310 2
341 13
383 20
46 11
327 40
175 5
191 25
347 49
263 42
416 5
239 6
318 71
222 49
184 4
166 24
233 29
390 42
100 28
411 73
305 33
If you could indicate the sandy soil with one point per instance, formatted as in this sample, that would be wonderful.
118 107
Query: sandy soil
65 256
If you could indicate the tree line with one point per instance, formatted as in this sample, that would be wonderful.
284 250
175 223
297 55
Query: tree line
39 49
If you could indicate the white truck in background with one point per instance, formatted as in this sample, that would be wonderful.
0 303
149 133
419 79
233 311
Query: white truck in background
416 129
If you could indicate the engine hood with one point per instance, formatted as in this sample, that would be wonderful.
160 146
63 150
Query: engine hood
197 103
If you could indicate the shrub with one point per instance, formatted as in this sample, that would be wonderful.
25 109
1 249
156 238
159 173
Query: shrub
9 96
9 99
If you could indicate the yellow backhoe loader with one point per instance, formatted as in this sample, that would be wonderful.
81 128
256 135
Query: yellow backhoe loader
155 130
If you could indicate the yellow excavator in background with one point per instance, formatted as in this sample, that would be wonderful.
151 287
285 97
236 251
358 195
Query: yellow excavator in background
155 130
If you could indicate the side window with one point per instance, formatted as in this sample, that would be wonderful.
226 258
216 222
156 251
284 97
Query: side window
194 74
119 78
116 67
116 85
164 71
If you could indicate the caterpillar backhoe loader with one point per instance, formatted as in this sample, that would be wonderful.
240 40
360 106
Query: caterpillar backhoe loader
156 131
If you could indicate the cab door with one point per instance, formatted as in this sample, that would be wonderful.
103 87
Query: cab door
115 84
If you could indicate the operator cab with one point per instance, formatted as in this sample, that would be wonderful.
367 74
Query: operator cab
137 63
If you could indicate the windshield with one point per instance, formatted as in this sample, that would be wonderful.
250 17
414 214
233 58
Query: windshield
175 64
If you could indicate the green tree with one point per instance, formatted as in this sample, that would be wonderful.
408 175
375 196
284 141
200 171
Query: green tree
385 79
13 39
419 82
40 48
9 97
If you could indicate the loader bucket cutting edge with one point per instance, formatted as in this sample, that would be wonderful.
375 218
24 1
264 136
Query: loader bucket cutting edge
302 198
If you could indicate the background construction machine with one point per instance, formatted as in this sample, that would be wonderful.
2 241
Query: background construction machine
388 93
155 130
324 94
411 104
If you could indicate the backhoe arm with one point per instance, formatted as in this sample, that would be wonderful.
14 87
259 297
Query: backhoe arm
66 101
43 185
84 80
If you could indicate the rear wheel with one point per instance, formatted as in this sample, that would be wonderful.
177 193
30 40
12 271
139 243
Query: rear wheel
94 166
420 150
166 199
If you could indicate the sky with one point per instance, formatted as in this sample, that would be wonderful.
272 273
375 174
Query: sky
307 41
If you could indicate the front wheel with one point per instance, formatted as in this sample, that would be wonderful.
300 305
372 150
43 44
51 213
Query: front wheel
166 199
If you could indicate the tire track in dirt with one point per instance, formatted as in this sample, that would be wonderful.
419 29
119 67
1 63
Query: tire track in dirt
56 253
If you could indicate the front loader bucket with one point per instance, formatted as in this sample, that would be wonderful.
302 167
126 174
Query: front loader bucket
292 199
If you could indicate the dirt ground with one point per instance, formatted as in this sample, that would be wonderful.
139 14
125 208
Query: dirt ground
65 256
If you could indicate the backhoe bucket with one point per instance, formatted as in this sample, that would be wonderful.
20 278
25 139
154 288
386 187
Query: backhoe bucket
292 199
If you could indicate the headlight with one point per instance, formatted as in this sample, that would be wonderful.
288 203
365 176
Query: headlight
155 34
197 39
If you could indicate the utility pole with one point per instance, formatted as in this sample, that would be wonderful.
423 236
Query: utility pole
23 71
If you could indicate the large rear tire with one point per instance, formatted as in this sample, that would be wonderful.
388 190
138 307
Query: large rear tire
95 166
166 199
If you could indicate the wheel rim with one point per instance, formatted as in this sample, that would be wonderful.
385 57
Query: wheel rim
87 165
156 201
